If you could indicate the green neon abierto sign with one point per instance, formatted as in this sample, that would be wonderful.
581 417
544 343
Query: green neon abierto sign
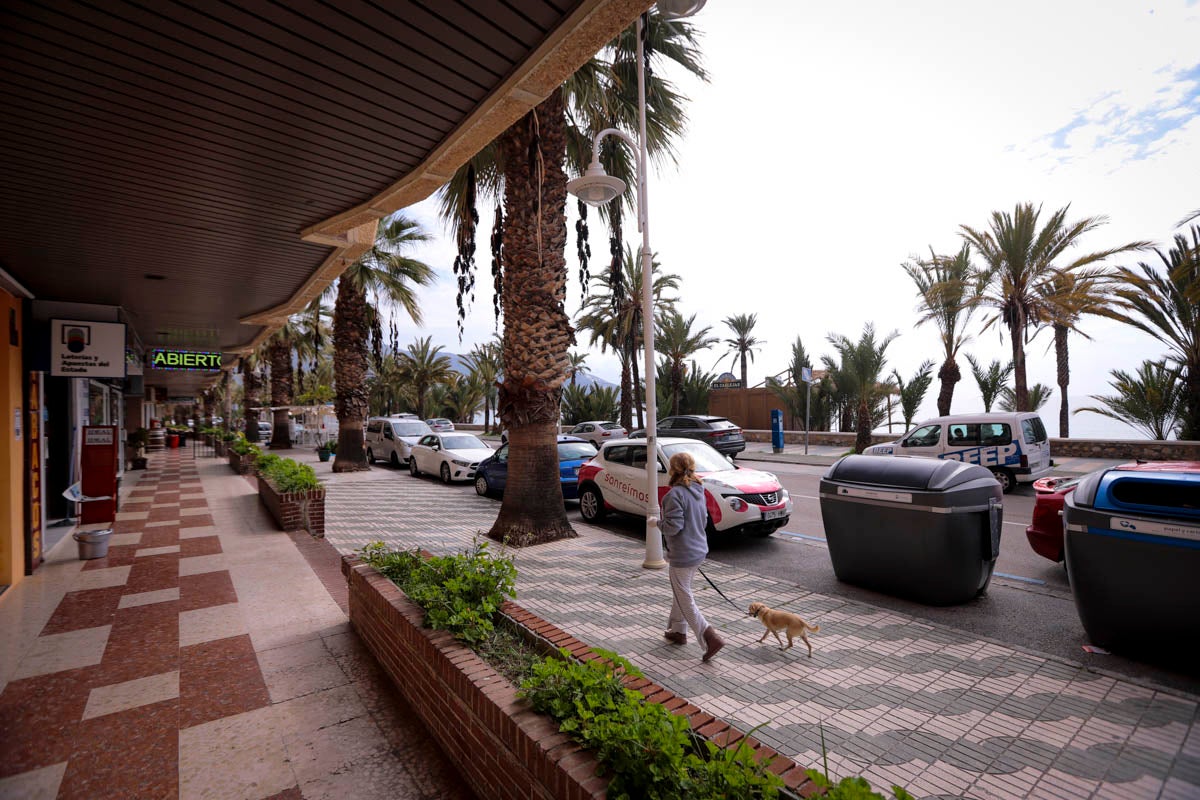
189 360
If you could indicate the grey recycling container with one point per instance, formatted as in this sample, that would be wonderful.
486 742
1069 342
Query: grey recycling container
920 528
1133 557
92 543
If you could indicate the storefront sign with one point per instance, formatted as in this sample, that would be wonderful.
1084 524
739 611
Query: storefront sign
33 477
187 360
85 349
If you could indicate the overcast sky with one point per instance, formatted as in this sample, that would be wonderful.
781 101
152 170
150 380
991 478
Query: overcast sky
834 141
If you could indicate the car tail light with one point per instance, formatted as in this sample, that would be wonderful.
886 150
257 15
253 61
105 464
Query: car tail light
1024 462
606 433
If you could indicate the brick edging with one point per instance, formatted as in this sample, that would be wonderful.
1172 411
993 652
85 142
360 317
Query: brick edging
474 713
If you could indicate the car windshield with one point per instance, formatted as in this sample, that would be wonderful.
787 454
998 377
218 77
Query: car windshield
570 451
464 442
707 459
410 428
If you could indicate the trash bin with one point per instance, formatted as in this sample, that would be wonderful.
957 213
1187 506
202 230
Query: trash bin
1133 557
920 528
92 544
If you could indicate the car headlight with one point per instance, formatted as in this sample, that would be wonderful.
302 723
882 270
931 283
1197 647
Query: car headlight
738 504
460 463
783 495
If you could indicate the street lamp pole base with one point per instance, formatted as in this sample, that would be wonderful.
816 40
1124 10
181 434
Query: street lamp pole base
648 564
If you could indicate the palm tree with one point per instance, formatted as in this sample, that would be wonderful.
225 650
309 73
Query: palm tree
279 359
913 392
677 342
594 402
388 389
1069 296
422 367
527 162
1150 401
577 365
485 367
461 397
381 275
1166 304
991 380
864 362
743 343
1020 258
251 383
618 325
1039 395
949 290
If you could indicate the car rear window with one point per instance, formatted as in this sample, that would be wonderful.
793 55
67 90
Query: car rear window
568 451
720 424
608 426
1034 430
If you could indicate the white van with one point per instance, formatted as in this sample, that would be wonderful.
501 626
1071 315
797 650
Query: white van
1013 445
391 438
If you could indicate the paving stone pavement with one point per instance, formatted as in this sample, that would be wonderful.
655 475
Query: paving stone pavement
894 699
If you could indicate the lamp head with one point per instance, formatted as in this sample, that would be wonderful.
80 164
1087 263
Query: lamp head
678 9
595 186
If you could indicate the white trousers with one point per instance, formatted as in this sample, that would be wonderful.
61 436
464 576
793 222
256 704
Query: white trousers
683 604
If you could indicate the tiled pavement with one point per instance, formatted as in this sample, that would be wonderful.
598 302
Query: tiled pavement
202 658
897 700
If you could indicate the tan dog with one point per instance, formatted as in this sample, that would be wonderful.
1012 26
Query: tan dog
776 621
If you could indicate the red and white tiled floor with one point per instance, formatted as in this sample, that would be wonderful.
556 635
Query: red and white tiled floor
204 657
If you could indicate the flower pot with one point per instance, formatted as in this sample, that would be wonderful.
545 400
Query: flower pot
173 440
323 455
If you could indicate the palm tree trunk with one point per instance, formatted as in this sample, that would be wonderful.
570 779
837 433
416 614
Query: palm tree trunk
637 387
948 375
626 395
1064 378
862 439
1020 387
1190 430
745 385
279 352
350 342
250 401
537 332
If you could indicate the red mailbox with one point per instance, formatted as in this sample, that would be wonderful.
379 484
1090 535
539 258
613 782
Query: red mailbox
98 463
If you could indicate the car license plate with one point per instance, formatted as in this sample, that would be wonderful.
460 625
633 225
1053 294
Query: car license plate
775 514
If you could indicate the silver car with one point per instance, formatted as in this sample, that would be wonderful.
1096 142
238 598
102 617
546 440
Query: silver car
598 432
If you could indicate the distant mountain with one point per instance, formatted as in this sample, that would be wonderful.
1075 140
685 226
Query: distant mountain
586 380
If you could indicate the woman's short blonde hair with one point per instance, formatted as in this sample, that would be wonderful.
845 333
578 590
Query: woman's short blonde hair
682 470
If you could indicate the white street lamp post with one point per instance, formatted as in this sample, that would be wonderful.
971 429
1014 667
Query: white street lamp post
595 187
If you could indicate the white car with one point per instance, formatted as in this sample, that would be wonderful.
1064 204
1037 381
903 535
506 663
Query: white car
440 424
452 456
598 432
738 499
391 438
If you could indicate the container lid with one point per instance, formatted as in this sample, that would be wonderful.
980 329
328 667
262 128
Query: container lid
905 472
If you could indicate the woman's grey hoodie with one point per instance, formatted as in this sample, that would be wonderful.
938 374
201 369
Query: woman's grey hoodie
683 521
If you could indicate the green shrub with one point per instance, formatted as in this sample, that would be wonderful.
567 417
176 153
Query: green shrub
229 436
287 475
650 752
328 447
852 788
265 460
460 593
243 447
138 438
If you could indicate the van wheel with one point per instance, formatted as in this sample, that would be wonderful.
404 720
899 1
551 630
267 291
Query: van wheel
370 456
1006 479
591 505
395 460
412 467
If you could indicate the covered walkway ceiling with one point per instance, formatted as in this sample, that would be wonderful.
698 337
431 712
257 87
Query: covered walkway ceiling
210 167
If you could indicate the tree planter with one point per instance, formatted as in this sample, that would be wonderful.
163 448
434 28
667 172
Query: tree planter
219 447
294 511
242 464
503 748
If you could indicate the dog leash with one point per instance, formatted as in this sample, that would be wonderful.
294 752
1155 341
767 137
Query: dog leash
718 590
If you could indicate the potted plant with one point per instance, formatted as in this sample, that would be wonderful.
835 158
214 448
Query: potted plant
292 494
326 449
135 444
242 455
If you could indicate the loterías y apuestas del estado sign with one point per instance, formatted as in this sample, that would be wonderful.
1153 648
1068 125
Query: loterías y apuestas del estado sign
184 360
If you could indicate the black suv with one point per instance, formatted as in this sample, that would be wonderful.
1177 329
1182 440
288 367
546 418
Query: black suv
719 432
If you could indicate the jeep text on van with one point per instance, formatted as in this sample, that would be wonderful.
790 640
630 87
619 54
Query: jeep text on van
1014 445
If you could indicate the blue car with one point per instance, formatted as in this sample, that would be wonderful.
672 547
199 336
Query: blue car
492 473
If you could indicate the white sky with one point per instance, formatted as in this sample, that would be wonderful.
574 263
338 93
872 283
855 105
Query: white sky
833 142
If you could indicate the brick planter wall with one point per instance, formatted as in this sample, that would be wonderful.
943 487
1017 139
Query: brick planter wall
220 446
242 465
503 748
294 511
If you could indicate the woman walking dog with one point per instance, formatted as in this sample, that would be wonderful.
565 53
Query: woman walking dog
683 522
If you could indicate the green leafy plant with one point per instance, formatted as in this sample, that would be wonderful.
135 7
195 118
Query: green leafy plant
650 752
287 476
852 788
460 593
328 447
138 438
265 460
243 447
229 436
